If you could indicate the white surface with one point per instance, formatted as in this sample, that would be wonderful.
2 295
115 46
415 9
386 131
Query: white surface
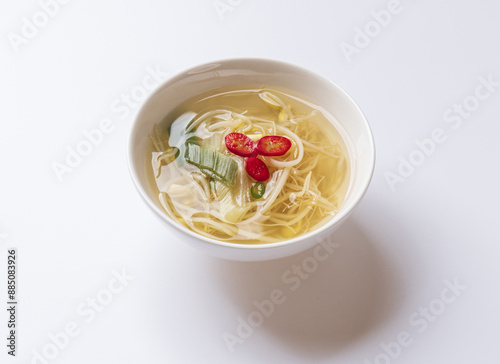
395 252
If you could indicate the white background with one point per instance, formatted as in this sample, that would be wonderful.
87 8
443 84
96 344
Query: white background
395 253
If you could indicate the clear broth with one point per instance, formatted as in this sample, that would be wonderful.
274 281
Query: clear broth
296 210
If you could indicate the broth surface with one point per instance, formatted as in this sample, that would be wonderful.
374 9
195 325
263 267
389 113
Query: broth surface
306 186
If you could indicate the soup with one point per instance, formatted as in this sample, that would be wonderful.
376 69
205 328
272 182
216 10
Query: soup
250 166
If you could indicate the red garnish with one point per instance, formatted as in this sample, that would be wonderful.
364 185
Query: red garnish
240 144
273 145
257 169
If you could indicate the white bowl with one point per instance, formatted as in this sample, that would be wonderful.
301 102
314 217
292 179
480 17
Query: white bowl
234 72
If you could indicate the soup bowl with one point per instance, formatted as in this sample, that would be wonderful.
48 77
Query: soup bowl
242 72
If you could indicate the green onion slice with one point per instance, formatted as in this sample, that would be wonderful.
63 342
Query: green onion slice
213 163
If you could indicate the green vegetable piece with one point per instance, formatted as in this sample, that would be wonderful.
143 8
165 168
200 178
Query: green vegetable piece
180 136
258 189
214 141
213 163
193 140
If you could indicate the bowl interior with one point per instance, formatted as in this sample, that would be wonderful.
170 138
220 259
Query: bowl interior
241 72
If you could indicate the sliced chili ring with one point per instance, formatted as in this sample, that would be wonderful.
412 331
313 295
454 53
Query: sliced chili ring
240 144
256 169
273 145
258 189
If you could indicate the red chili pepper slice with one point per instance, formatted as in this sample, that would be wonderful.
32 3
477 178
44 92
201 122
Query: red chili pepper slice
256 169
273 145
240 144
